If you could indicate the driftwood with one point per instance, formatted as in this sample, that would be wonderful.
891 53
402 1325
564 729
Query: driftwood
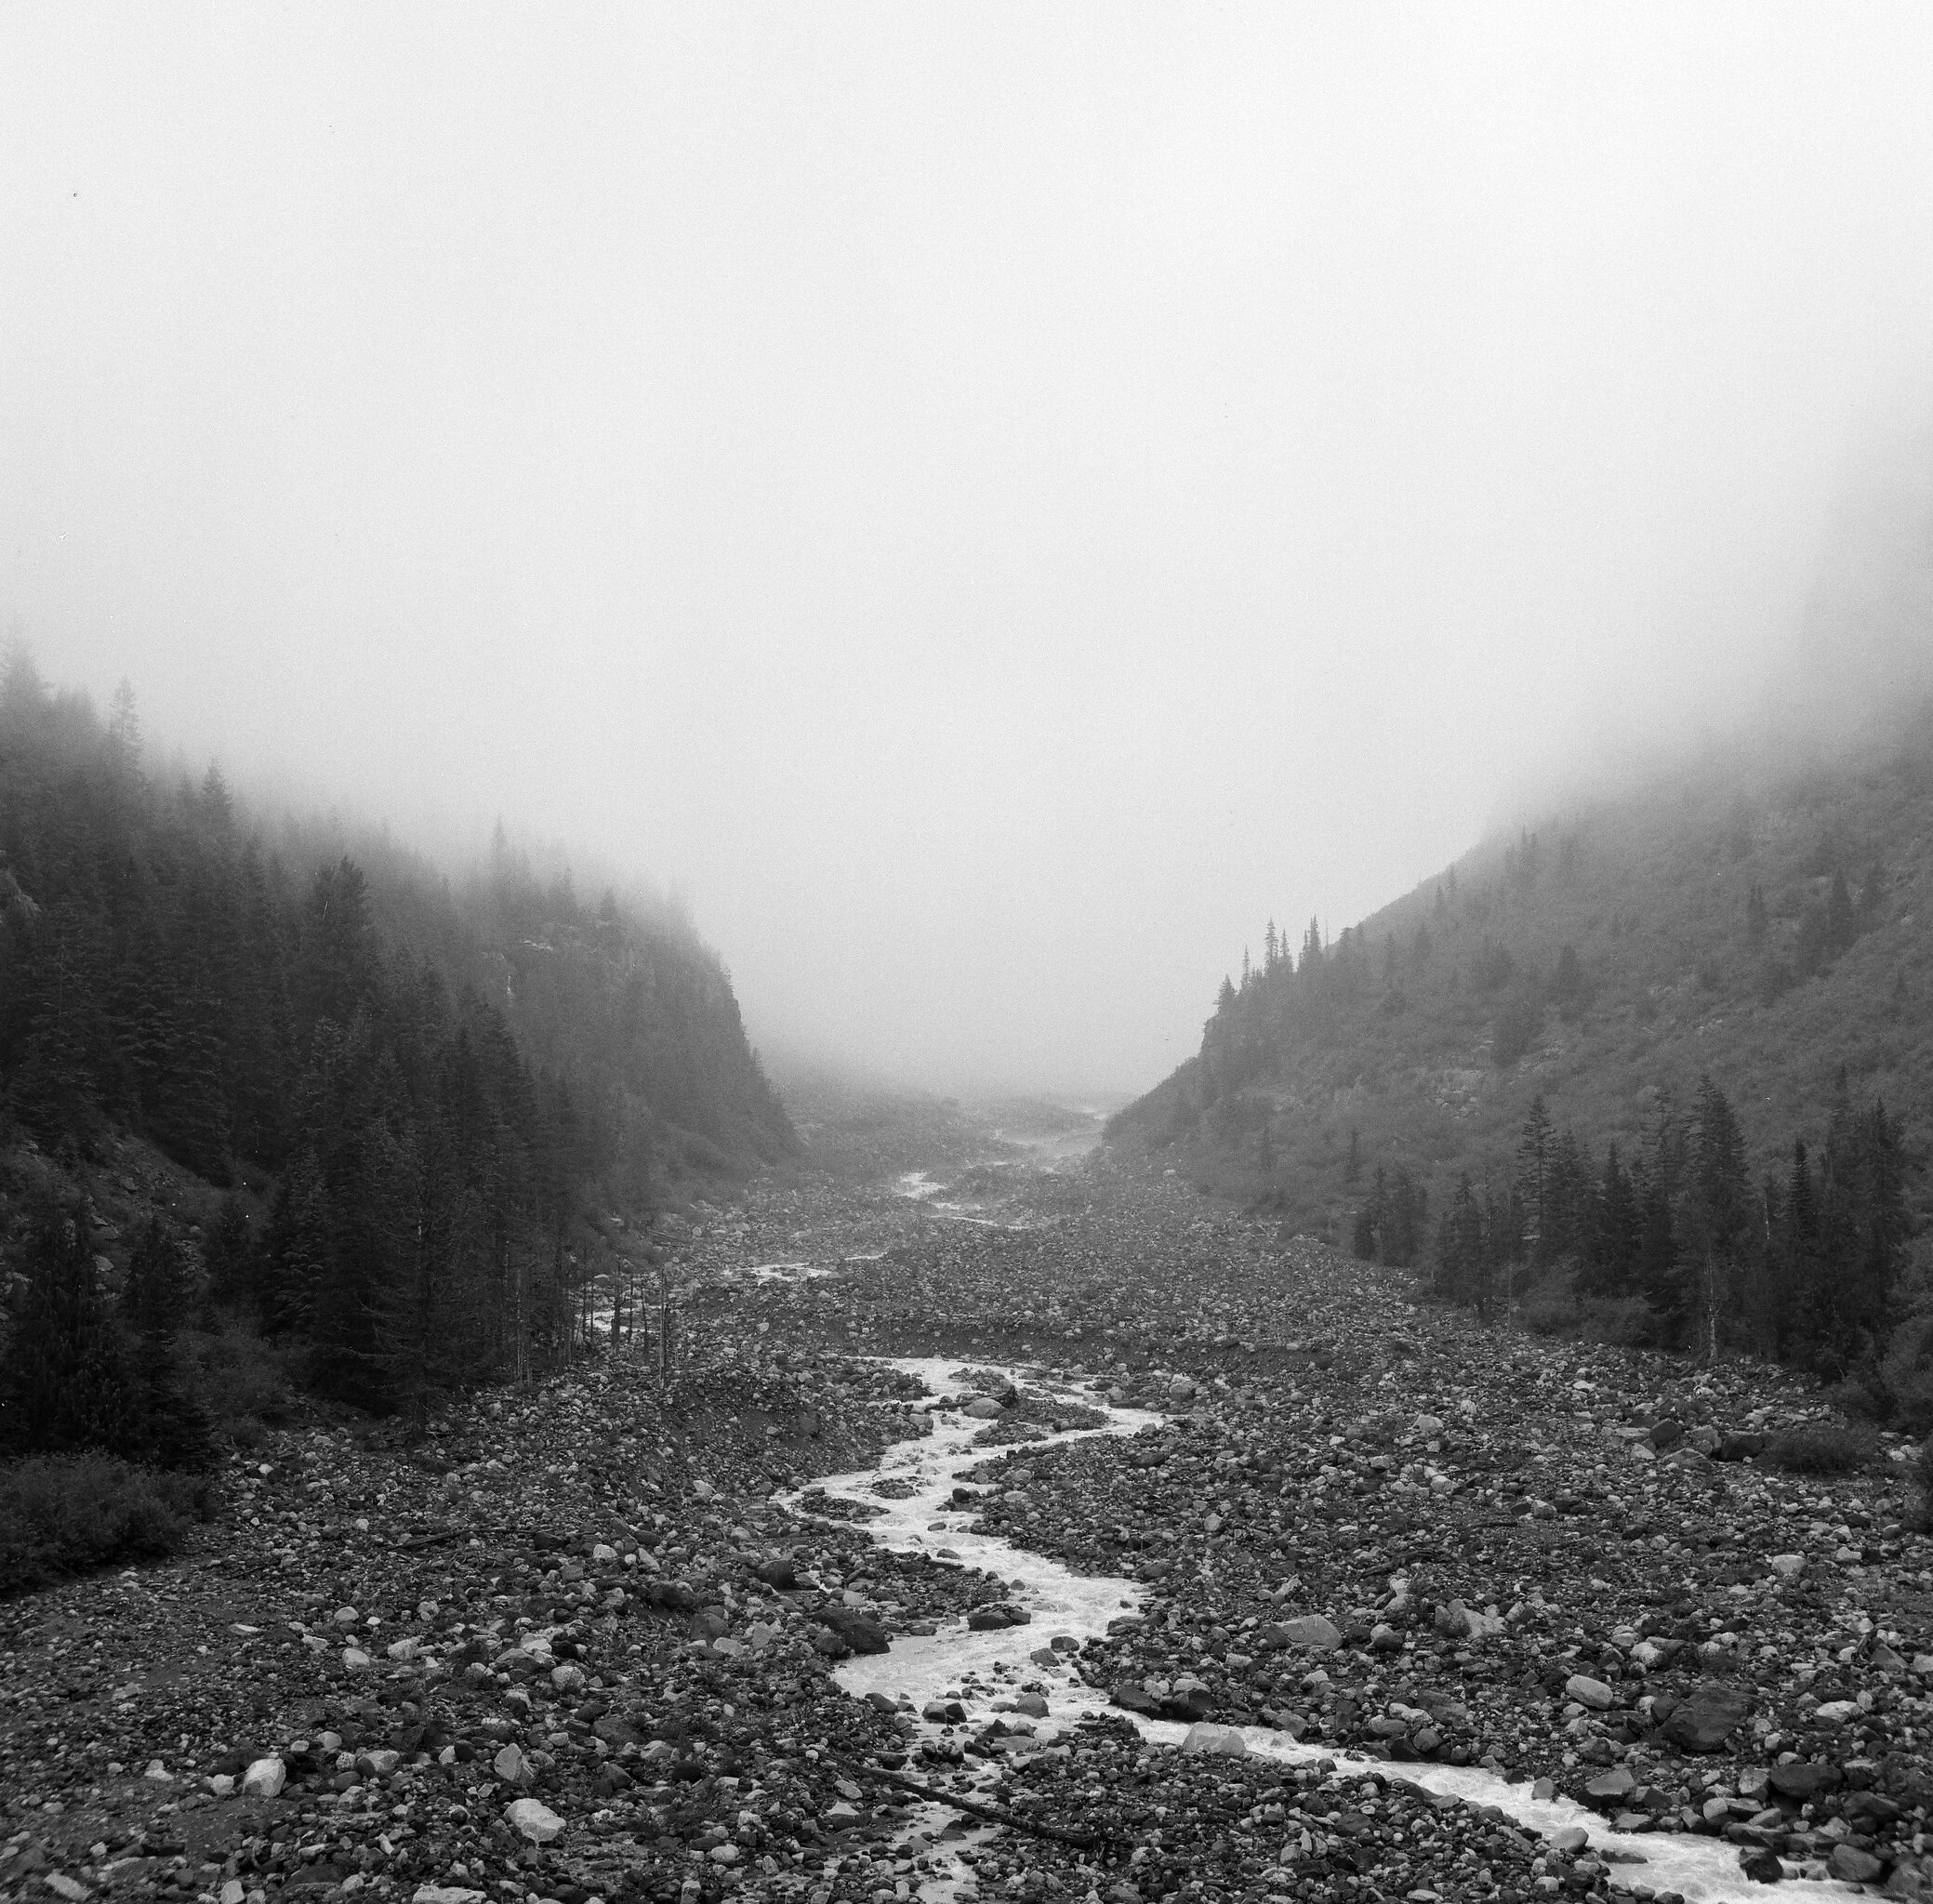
992 1813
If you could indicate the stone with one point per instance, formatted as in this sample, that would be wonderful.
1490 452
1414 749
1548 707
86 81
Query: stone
512 1768
530 1817
264 1779
1132 1697
1312 1631
1568 1839
1761 1865
1852 1866
438 1894
1707 1441
1667 1435
1384 1638
1590 1692
1708 1716
1788 1565
1614 1784
984 1409
1804 1782
1837 1713
232 1892
1226 1741
356 1660
860 1630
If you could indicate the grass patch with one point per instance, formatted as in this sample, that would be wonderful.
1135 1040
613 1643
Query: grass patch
1823 1450
60 1514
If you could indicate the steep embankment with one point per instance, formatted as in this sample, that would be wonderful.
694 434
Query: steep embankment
1765 928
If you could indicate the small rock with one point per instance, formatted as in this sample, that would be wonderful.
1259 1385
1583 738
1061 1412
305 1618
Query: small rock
435 1894
1788 1565
1570 1839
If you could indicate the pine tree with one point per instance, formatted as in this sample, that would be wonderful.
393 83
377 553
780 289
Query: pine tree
1718 1207
65 1382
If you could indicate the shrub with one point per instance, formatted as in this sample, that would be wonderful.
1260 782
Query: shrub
1822 1450
242 1383
61 1514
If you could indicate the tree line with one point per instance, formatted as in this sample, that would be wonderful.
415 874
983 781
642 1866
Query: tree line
421 1099
1801 1265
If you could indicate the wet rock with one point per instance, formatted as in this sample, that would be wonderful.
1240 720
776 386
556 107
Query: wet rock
860 1632
1761 1865
1224 1740
1852 1866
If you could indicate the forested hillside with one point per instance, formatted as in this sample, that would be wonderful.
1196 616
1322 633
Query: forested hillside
433 1103
1733 960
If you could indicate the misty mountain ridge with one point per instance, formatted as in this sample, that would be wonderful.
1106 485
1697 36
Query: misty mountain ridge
1762 925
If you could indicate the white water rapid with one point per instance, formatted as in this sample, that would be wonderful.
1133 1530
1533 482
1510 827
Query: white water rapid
985 1672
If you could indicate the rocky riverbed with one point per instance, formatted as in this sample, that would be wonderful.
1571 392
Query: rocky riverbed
1489 1615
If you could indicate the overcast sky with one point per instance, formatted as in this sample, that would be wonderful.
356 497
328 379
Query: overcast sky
992 502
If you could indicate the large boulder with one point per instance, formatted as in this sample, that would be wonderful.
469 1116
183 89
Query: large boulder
265 1778
1308 1630
859 1631
1590 1692
1708 1716
1803 1781
1223 1739
532 1818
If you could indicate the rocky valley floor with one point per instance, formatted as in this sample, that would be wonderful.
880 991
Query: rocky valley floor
1244 1575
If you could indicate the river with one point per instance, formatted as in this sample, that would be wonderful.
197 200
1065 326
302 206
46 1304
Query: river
985 1671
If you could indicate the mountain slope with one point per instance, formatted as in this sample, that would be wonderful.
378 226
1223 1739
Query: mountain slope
1605 959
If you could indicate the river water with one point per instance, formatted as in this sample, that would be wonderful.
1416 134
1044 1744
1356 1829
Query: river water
983 1670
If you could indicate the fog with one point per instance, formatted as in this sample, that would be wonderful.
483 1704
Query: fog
989 503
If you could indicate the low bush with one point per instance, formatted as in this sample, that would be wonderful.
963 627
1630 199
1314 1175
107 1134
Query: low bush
62 1514
1822 1450
242 1382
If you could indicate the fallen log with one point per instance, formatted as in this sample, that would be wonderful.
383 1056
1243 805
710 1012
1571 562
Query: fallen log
991 1813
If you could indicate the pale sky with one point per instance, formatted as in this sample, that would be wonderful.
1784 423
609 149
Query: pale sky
992 502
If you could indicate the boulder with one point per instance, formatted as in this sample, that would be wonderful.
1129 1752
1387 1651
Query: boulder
1708 1716
984 1409
1761 1865
1224 1740
1852 1866
265 1778
1801 1781
1309 1630
1612 1785
860 1630
1590 1692
532 1818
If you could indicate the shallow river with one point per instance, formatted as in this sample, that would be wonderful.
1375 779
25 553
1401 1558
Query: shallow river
980 1668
